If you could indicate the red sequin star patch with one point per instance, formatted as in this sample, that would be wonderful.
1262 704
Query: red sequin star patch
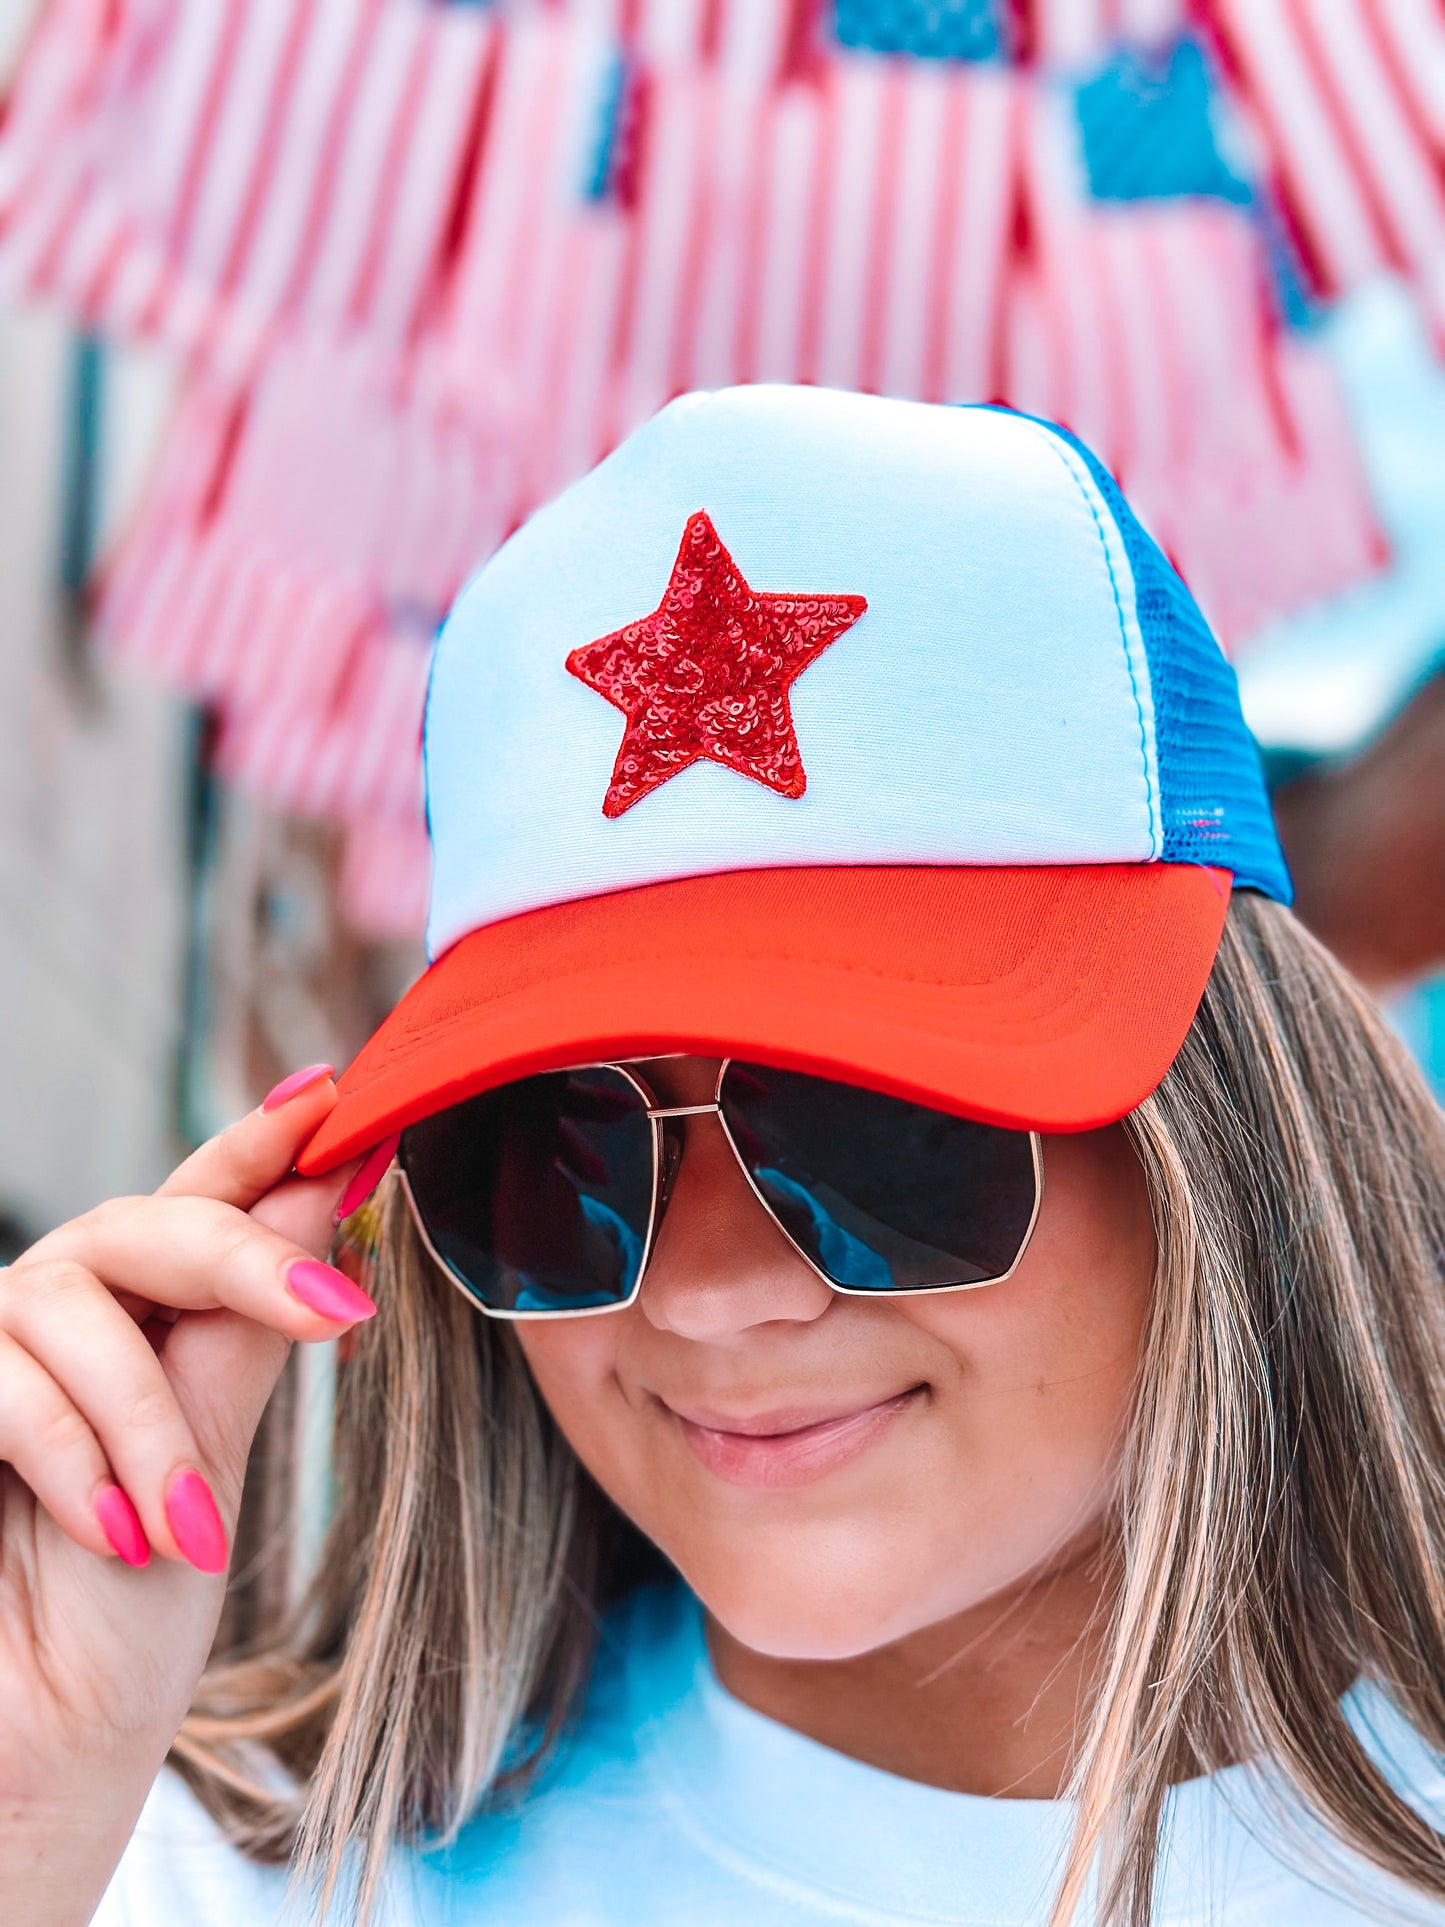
707 674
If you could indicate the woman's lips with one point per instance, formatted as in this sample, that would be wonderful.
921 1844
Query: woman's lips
785 1449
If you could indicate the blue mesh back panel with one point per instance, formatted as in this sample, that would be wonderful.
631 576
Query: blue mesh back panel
1214 803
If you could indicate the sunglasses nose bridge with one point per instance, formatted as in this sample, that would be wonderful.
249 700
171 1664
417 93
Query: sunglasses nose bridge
669 1138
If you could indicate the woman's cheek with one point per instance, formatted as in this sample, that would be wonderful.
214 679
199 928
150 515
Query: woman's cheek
573 1362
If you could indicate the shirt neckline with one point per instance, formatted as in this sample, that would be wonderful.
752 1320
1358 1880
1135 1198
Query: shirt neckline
748 1791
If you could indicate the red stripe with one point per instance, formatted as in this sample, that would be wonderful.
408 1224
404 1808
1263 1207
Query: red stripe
1012 219
710 30
452 235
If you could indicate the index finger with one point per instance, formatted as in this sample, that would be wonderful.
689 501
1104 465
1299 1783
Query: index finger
246 1160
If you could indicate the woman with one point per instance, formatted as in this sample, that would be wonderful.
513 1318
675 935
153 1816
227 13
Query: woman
941 1419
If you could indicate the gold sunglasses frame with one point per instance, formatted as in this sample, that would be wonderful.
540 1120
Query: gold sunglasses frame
656 1114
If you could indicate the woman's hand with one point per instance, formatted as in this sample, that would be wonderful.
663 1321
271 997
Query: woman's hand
138 1346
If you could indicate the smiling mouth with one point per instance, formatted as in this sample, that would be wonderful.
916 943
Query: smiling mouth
783 1450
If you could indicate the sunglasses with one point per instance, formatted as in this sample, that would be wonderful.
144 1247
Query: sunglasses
542 1198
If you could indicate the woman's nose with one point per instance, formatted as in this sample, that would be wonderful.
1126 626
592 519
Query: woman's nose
720 1264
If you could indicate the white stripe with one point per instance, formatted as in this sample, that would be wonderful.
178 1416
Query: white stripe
857 113
1068 32
602 18
753 35
910 264
669 32
979 243
794 134
737 153
1149 21
668 197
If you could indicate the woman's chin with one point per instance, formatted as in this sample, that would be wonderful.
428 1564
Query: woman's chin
782 1612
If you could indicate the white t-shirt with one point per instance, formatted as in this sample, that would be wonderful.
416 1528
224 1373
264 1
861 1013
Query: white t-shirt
673 1805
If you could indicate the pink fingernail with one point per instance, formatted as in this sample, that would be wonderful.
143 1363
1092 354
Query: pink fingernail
291 1086
192 1516
325 1289
122 1527
370 1174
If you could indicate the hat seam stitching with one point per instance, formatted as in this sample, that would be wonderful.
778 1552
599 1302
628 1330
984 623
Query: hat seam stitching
1155 825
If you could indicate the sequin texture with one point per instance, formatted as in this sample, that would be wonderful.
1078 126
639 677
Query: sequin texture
707 674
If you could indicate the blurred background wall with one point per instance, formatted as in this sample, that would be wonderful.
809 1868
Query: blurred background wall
305 303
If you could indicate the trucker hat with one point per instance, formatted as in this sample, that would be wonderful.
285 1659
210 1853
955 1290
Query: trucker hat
865 737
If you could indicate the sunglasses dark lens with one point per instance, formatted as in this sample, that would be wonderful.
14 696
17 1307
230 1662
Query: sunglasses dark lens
538 1195
882 1195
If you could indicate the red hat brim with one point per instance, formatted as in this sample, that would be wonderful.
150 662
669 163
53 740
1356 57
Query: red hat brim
1050 998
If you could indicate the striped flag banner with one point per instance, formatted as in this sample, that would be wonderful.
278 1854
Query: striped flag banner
288 521
477 245
358 756
385 876
1348 98
1148 330
207 171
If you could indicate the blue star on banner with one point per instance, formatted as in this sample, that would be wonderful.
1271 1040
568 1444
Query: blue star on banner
1152 127
932 29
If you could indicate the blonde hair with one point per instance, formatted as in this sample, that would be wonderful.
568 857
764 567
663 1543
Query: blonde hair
1280 1528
